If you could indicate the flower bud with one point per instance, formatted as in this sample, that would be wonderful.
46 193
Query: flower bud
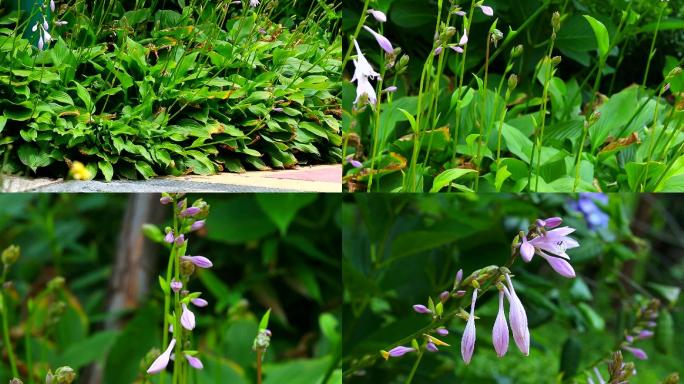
512 81
517 50
556 21
556 60
262 340
56 283
16 381
64 375
676 71
449 33
496 36
165 199
187 268
11 254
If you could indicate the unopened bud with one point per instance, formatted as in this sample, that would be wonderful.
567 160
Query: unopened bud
556 60
187 268
496 36
673 378
512 81
449 32
262 340
56 283
10 254
517 50
64 375
555 21
676 71
16 381
594 117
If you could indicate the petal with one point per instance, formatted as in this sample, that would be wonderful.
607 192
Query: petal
194 362
487 10
163 360
187 318
526 250
383 42
561 266
464 38
199 302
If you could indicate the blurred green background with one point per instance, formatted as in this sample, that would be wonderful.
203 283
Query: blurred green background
398 250
276 251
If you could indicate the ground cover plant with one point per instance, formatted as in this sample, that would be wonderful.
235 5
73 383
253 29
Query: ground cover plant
113 89
170 289
533 288
532 95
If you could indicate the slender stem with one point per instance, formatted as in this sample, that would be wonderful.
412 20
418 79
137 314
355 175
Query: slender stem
5 326
27 347
651 52
376 125
362 20
478 161
585 131
415 367
258 364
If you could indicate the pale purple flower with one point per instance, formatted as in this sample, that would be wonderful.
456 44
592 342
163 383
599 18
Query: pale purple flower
277 109
169 237
438 51
637 352
551 222
666 87
651 324
34 28
459 13
194 362
486 10
456 48
253 3
199 261
46 26
464 38
199 224
383 42
460 293
390 89
500 330
163 360
468 339
396 352
191 211
378 15
518 318
41 43
361 66
187 318
364 87
459 277
552 245
180 240
444 296
164 200
176 285
442 331
353 162
199 302
61 22
629 338
420 308
645 334
431 347
47 37
526 250
561 266
52 5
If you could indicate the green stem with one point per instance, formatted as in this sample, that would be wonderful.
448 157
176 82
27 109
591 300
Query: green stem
585 131
478 161
258 364
651 52
415 367
5 327
362 20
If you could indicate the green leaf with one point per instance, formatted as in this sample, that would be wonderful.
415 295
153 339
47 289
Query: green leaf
570 357
107 169
34 157
84 95
501 175
668 292
263 324
445 178
153 233
283 208
592 317
601 34
89 350
664 332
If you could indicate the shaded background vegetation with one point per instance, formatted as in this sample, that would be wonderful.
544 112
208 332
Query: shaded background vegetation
269 251
398 250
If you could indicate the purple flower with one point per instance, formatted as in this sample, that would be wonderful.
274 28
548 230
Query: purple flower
353 162
176 285
552 245
199 224
41 43
364 87
456 48
187 318
198 302
526 250
459 277
194 362
561 266
438 51
383 42
163 360
637 352
442 331
180 240
165 200
468 339
378 15
464 38
518 318
460 13
551 222
277 109
52 5
362 66
500 330
666 87
396 352
169 237
431 347
460 293
645 334
444 296
390 89
487 10
199 261
191 211
420 308
593 214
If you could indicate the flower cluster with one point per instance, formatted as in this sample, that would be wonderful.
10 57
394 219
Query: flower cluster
181 267
589 205
44 36
442 39
548 243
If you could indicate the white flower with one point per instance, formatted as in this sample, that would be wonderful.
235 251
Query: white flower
253 3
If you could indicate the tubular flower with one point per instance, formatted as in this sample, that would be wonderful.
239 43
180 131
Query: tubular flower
169 237
464 38
420 308
518 318
396 352
198 302
486 10
199 261
551 245
468 339
637 352
500 330
431 347
253 3
442 331
526 250
176 285
191 211
378 15
187 318
194 362
362 73
383 42
199 224
163 360
353 162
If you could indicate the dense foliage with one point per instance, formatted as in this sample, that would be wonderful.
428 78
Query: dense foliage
543 95
171 87
269 251
399 250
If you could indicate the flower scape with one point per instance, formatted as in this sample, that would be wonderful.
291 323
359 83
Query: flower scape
109 89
